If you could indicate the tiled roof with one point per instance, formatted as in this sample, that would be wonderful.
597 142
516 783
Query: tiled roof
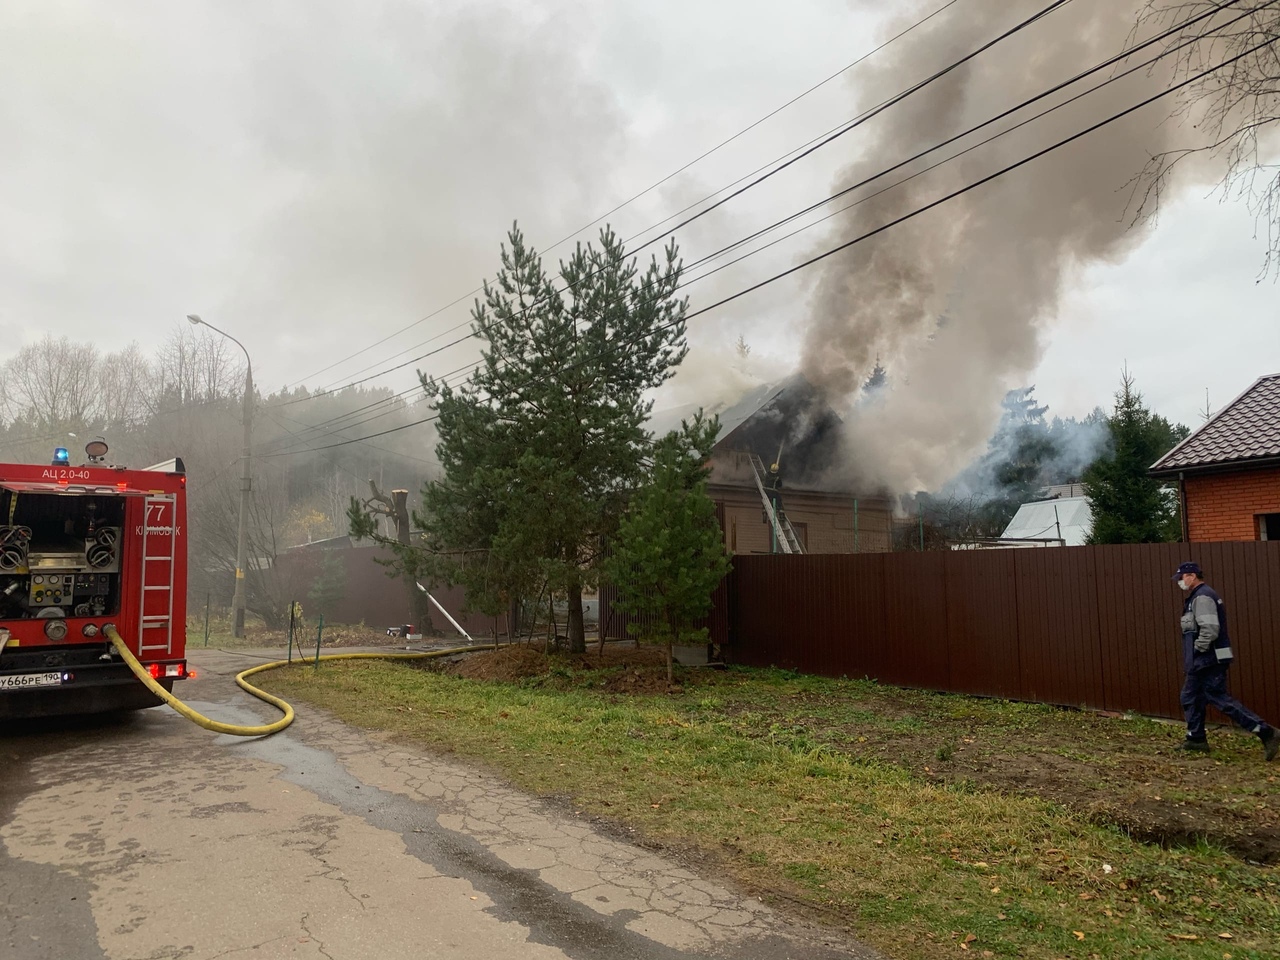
1246 429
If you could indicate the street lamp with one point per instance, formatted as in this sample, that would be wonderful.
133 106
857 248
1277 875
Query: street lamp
246 483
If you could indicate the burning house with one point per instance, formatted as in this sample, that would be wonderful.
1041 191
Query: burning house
775 476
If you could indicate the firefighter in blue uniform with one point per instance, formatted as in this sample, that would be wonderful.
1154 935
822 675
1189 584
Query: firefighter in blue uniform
1206 657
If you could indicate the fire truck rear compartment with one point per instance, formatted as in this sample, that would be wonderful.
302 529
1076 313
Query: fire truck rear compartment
59 556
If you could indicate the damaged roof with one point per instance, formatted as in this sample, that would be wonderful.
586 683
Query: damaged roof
732 416
1246 432
754 401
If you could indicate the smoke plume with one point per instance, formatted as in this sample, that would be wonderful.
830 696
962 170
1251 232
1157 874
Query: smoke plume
957 300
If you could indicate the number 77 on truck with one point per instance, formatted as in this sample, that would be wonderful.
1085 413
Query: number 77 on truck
86 551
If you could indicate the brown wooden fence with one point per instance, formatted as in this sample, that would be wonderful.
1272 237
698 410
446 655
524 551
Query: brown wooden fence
1090 626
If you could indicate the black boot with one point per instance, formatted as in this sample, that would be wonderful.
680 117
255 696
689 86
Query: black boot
1270 742
1194 746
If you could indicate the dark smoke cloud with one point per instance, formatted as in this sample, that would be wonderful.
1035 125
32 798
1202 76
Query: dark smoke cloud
957 301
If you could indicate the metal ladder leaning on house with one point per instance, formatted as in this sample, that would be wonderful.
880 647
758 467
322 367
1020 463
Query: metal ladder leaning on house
157 573
782 528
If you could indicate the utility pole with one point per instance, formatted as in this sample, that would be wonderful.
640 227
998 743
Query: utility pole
239 598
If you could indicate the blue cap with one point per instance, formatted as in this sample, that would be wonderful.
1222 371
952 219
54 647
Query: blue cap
1188 567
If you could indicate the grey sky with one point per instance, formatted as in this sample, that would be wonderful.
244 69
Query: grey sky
312 174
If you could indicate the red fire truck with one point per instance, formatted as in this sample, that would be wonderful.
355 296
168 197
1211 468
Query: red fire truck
83 548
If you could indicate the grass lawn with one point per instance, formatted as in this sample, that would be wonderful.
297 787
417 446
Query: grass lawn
929 825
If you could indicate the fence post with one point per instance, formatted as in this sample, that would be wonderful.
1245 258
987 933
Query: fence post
292 606
319 632
206 618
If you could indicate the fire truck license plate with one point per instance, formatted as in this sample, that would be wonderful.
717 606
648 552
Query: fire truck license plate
21 681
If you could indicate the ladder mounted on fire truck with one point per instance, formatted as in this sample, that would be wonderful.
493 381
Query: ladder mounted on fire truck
785 533
158 544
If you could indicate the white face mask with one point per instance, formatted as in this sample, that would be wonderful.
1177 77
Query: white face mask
1183 585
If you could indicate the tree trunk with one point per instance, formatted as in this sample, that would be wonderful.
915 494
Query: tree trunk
552 637
577 631
419 607
672 634
396 507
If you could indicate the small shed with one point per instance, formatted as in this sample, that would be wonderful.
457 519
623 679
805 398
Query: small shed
1064 521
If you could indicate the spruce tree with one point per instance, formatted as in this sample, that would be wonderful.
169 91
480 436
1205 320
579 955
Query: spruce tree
1128 505
542 446
669 554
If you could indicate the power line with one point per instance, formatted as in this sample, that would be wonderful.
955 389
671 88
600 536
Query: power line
806 151
298 436
767 116
981 143
401 395
977 127
880 229
869 115
653 186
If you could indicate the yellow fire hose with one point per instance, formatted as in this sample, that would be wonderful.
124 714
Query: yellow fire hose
262 730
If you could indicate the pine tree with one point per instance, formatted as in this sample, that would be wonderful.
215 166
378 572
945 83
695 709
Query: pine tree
669 554
544 444
1128 505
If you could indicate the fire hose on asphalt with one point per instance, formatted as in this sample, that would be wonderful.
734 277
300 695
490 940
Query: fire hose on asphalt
261 730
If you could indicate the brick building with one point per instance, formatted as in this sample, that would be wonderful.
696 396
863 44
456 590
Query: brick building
1228 471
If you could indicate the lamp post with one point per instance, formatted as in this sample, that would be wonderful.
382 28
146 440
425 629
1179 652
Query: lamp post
238 600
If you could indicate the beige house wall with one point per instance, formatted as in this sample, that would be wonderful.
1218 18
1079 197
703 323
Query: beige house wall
823 521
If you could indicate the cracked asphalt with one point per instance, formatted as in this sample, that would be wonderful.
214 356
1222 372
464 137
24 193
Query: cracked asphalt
147 838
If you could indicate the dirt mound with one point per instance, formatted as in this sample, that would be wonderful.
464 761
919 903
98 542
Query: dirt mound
515 662
618 669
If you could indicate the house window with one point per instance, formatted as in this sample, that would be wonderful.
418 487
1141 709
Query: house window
1269 526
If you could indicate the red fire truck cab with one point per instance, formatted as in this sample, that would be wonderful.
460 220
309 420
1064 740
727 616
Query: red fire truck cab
82 548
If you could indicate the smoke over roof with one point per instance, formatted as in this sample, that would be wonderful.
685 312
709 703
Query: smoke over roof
958 300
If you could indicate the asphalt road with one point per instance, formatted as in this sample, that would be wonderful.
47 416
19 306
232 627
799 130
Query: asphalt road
147 838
